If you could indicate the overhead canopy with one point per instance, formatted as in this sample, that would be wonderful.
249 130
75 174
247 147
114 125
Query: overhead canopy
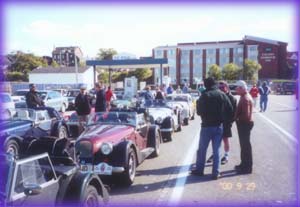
129 63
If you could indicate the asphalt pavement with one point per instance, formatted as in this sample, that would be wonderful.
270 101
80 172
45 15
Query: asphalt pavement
165 180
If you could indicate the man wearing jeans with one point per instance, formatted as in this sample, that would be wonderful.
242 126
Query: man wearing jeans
215 108
244 123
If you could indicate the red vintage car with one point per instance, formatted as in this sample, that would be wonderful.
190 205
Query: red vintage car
115 143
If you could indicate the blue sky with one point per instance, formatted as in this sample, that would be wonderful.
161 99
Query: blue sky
139 28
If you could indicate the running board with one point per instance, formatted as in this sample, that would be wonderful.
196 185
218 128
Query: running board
146 152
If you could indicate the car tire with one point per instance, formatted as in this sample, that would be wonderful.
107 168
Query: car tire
179 128
127 177
168 136
186 121
12 147
154 143
91 197
62 132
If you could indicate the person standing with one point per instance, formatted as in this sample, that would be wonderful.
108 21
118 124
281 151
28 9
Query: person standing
32 98
108 97
185 88
244 123
100 105
159 95
148 95
223 86
82 105
264 92
215 108
170 89
178 90
201 88
254 94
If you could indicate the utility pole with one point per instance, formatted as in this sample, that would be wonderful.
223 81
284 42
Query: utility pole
76 69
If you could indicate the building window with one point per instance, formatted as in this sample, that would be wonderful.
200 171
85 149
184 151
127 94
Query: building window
224 50
197 52
158 53
171 52
211 51
185 52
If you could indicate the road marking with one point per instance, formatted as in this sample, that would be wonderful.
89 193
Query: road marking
184 172
287 106
287 134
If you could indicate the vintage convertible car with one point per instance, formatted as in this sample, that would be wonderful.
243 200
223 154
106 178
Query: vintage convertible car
40 180
115 143
167 118
186 102
18 129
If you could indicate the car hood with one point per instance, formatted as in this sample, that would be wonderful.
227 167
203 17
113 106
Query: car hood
100 133
160 112
14 127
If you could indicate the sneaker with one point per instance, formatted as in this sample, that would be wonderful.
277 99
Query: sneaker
196 172
224 160
216 177
210 159
243 171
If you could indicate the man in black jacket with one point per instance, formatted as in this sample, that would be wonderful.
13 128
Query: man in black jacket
215 109
100 105
82 105
32 98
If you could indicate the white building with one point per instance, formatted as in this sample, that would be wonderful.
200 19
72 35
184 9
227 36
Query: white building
63 75
124 56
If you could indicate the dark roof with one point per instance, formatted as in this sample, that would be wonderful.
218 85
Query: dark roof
60 69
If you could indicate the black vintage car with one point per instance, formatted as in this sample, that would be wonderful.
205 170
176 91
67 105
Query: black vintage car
42 180
23 125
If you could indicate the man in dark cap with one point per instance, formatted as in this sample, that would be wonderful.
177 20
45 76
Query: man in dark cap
32 98
215 109
82 105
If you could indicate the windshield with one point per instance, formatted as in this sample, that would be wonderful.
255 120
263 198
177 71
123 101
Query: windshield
19 114
5 166
155 103
177 98
113 118
20 93
72 93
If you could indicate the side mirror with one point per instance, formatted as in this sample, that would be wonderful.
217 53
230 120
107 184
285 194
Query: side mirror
32 189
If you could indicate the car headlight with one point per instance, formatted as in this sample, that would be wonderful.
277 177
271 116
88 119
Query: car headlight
106 148
159 120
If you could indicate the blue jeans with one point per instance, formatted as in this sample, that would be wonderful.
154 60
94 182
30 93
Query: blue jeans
208 134
263 102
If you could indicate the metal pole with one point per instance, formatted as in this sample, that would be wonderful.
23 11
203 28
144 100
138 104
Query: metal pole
76 70
161 75
109 74
95 77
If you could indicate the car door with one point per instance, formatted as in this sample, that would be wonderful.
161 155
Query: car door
34 182
142 131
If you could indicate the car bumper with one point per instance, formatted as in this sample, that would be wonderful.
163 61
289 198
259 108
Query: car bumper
101 169
166 130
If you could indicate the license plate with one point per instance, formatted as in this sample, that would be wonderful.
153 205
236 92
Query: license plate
101 169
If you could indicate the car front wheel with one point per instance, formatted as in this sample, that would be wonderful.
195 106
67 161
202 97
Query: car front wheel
12 147
186 121
91 197
128 176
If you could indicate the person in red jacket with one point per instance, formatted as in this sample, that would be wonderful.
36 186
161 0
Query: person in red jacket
108 96
254 94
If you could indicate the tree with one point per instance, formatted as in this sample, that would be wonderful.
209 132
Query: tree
54 64
231 71
16 76
25 61
103 77
214 71
141 73
250 69
106 53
